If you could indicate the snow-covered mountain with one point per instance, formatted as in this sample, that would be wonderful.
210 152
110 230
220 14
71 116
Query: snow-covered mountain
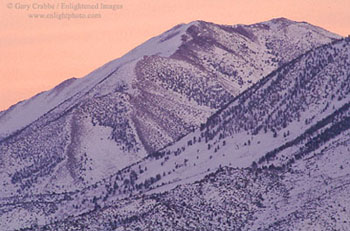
86 129
286 141
258 118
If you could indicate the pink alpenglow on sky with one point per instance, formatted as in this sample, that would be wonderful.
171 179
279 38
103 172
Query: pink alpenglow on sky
45 42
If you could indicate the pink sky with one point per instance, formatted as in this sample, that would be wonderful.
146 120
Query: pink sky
37 54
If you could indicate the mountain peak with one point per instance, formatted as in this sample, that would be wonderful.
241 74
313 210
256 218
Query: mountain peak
282 20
